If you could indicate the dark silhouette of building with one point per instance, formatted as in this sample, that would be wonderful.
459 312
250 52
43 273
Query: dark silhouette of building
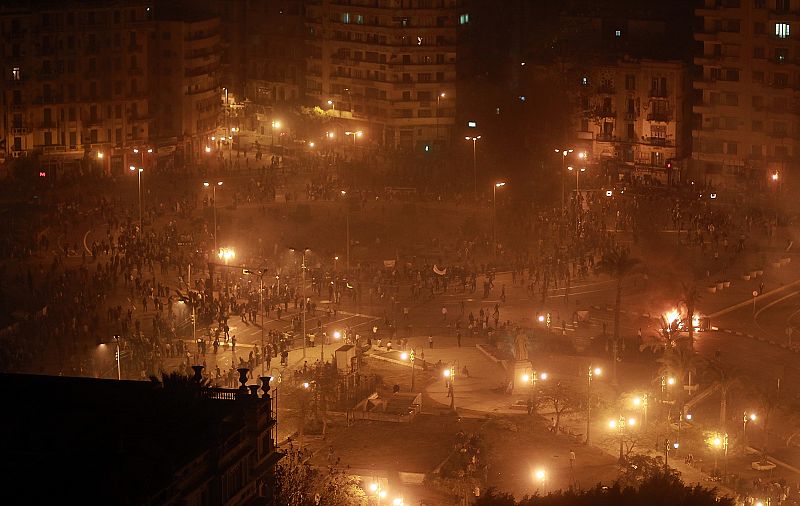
90 441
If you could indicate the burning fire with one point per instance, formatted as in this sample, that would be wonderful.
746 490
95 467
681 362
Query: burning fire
675 320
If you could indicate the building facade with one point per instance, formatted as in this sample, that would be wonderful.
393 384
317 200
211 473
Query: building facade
387 67
185 55
75 83
633 118
748 95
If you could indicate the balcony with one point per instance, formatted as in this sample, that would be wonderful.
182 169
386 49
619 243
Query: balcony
22 130
658 141
606 113
630 116
657 93
606 89
605 137
47 125
662 117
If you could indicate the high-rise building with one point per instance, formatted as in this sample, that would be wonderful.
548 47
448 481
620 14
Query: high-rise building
185 55
746 123
75 82
385 67
633 118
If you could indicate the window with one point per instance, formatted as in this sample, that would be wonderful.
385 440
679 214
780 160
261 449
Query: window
780 79
584 81
630 82
781 54
463 19
758 76
782 30
656 158
631 133
617 33
757 126
731 148
758 101
346 18
758 52
759 28
782 5
359 19
16 74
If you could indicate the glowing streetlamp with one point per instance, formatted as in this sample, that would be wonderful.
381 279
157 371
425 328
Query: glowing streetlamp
305 300
564 152
540 476
719 442
276 125
674 445
591 373
474 140
213 187
450 377
746 419
410 356
356 134
140 170
622 426
494 214
642 402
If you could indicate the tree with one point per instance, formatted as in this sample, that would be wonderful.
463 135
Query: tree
659 489
726 378
768 402
639 468
559 398
294 478
689 298
617 264
679 362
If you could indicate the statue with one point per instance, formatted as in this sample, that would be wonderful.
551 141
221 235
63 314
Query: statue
521 347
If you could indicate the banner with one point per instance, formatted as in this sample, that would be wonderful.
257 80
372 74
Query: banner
389 264
440 272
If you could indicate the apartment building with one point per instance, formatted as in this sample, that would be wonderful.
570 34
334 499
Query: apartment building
75 82
386 67
748 97
185 55
634 118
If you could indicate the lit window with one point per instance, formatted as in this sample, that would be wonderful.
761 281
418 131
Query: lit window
463 19
618 33
585 81
359 19
15 74
782 30
346 17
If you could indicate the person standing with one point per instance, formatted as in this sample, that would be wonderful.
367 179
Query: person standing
430 341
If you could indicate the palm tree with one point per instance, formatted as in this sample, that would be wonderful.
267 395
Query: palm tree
618 264
679 362
768 402
726 377
689 298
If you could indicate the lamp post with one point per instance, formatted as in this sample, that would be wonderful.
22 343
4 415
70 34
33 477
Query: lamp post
450 377
139 171
494 214
642 402
720 442
213 206
117 355
591 373
533 377
226 254
276 125
305 301
355 134
540 476
439 96
746 418
622 425
474 165
667 445
410 356
564 152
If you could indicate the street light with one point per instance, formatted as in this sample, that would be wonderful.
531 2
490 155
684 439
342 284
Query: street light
564 152
746 418
667 445
117 355
140 170
213 205
533 377
494 214
642 402
357 133
410 357
540 475
305 301
720 442
591 373
474 164
276 125
622 425
438 98
450 377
